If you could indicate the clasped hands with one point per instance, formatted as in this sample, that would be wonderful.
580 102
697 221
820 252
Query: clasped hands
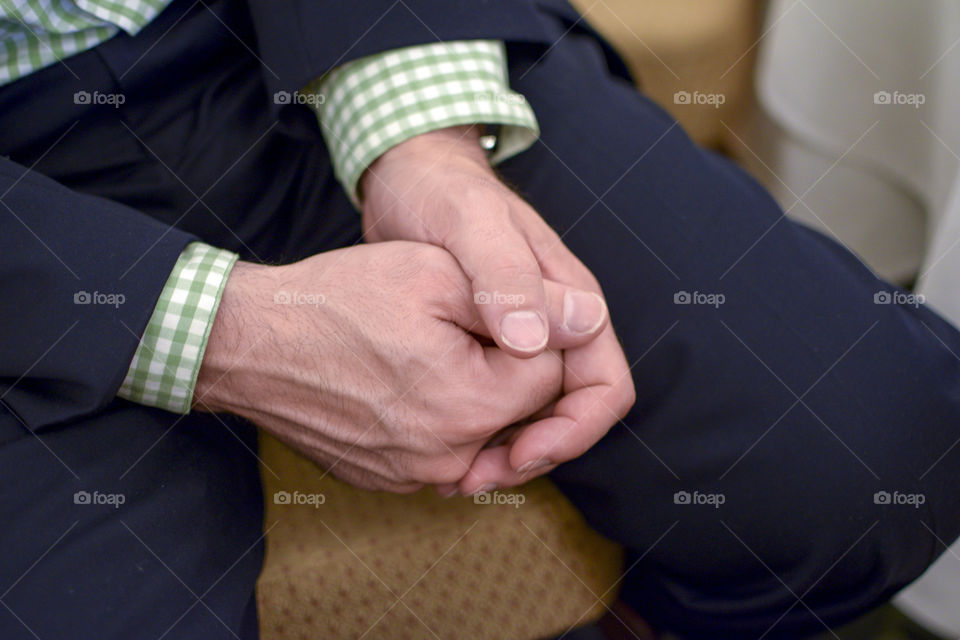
401 362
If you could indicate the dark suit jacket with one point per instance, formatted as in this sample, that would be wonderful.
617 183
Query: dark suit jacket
60 359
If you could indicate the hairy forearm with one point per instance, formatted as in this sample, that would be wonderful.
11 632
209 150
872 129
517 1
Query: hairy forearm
240 327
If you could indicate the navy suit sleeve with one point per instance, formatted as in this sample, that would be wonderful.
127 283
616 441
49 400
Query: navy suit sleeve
79 278
300 40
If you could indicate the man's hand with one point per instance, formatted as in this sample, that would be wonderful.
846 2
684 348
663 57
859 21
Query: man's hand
438 188
366 359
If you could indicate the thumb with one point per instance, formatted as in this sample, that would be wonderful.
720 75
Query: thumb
507 284
575 317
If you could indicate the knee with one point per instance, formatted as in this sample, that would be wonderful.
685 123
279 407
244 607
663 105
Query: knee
781 554
808 527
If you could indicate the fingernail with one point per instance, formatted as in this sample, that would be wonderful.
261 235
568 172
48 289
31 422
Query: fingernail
533 465
486 488
449 493
583 311
523 330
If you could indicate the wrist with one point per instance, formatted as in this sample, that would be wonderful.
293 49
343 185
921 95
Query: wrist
460 138
220 379
461 142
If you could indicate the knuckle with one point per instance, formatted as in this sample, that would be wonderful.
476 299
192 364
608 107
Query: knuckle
433 257
438 271
574 448
460 418
627 396
363 479
443 470
469 409
512 271
393 417
401 466
513 265
409 487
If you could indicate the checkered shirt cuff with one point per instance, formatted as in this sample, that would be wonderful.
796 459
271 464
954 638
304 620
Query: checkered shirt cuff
374 103
164 369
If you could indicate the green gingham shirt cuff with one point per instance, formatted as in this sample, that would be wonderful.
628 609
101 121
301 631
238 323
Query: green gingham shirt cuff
37 33
374 103
164 369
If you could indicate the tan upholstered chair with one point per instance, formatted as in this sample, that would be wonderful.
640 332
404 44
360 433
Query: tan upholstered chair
382 566
419 566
